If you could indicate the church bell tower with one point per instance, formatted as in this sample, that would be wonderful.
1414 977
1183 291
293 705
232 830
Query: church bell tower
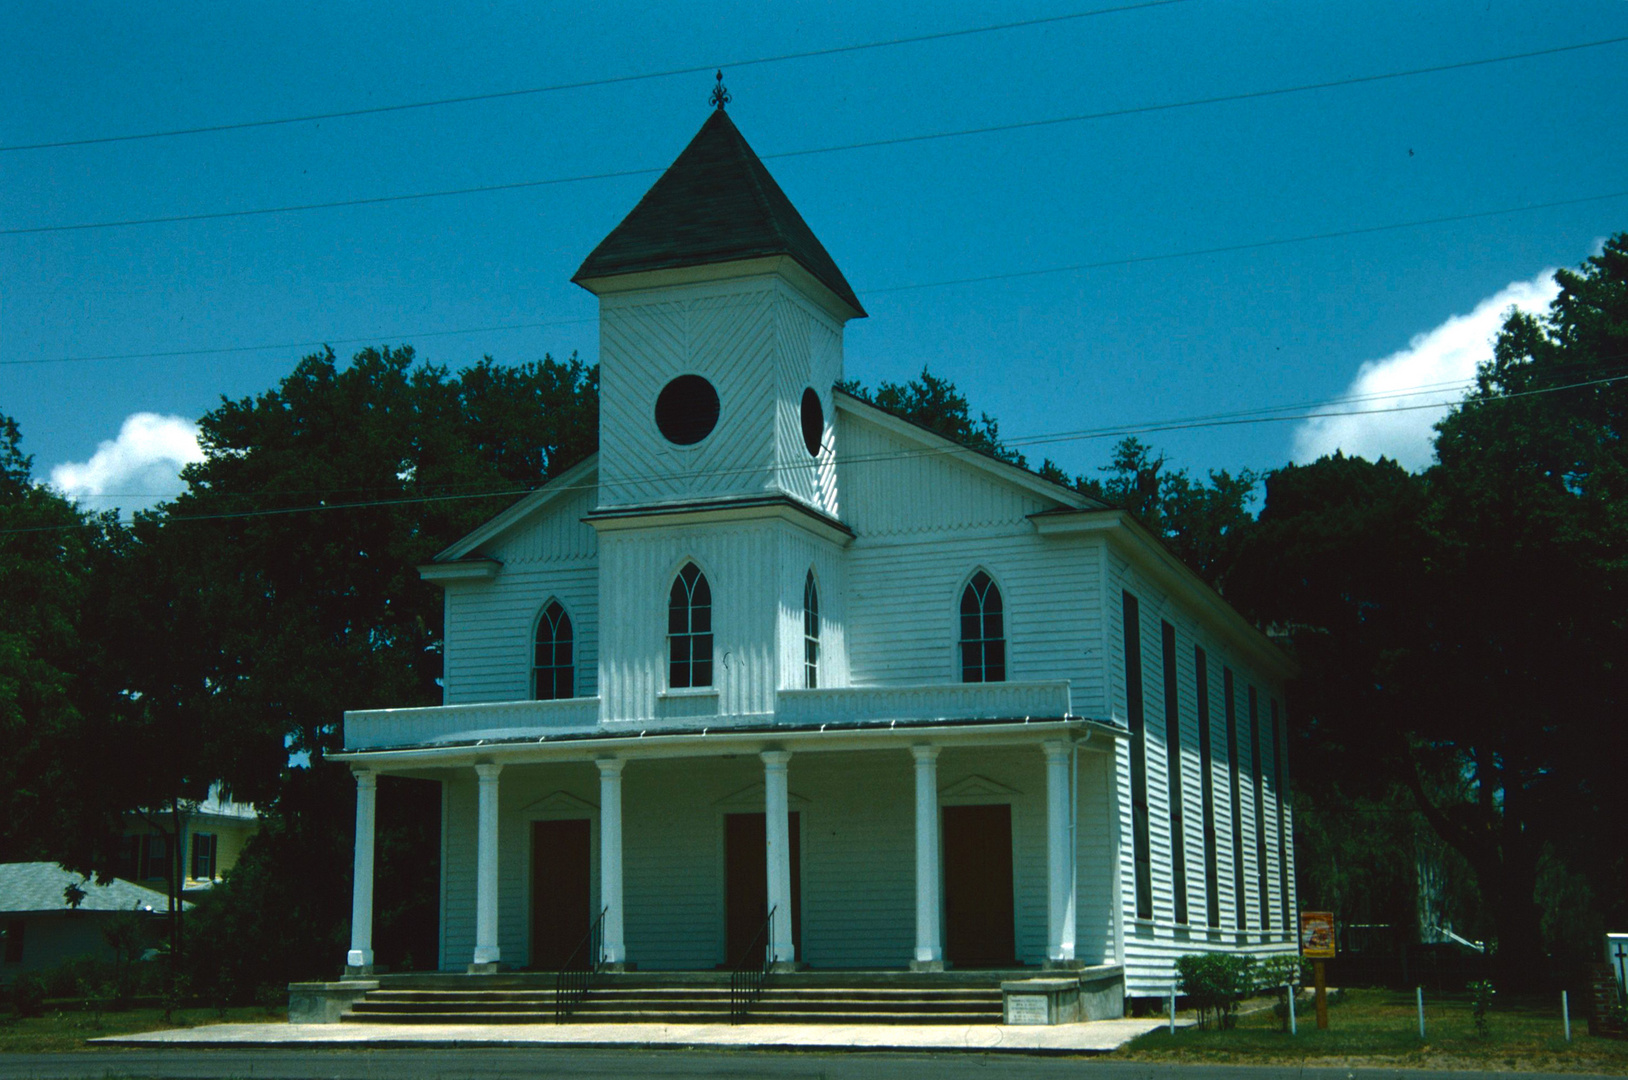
720 327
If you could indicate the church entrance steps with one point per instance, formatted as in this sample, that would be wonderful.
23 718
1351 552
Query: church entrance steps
689 998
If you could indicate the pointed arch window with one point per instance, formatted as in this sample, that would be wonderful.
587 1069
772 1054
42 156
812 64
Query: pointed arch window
689 630
983 631
553 665
811 632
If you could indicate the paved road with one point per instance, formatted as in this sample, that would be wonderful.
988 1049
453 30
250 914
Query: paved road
494 1064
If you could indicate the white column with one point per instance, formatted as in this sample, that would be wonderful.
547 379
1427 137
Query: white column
614 949
361 897
777 822
929 947
1060 892
486 948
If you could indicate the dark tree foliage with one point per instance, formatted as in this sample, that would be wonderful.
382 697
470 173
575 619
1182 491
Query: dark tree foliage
281 589
52 801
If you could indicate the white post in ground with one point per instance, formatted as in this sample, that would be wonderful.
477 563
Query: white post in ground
359 960
614 949
1418 994
1059 859
777 814
487 953
929 947
1565 1014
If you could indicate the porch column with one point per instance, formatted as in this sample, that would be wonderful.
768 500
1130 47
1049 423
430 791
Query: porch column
614 948
777 814
1060 892
487 953
929 948
360 958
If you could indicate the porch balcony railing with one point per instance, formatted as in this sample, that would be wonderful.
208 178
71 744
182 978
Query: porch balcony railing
368 729
941 701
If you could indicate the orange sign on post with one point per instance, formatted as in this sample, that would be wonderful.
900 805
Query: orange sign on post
1317 945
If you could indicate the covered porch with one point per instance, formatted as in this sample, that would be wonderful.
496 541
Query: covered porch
876 845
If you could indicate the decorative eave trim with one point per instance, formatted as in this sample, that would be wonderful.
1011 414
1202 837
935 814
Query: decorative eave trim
467 570
755 508
931 440
568 481
650 744
723 270
1132 539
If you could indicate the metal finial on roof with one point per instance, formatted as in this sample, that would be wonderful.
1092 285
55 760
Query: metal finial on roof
720 94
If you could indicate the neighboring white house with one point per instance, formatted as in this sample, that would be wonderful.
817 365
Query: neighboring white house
213 833
774 649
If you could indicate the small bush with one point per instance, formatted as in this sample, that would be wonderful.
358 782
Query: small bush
28 994
1216 983
1281 974
1480 1005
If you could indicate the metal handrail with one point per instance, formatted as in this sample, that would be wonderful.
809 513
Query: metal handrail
746 979
575 977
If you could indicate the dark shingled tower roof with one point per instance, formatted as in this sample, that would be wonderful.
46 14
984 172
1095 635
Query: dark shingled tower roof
715 204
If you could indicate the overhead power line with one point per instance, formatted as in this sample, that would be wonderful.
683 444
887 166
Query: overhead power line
1058 437
517 185
615 80
1221 249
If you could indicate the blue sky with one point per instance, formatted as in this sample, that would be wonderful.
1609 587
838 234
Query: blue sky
1087 349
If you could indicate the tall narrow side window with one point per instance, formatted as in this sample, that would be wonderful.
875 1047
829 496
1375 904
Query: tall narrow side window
1139 757
689 630
203 856
1206 787
811 632
1172 750
1258 777
983 631
1280 784
1239 887
553 664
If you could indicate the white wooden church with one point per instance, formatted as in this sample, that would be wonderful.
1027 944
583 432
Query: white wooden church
775 665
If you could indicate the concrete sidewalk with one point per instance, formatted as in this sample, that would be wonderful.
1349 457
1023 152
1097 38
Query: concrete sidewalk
1091 1037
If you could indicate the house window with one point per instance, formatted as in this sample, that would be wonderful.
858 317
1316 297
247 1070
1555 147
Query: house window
983 632
689 630
1206 787
203 856
1257 776
811 632
1238 884
553 668
1139 757
129 866
1280 784
1172 750
156 859
14 941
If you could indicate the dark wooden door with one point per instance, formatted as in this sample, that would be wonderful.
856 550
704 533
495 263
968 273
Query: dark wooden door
561 890
978 912
746 882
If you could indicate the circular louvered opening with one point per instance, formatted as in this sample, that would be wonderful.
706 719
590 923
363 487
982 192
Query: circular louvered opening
687 410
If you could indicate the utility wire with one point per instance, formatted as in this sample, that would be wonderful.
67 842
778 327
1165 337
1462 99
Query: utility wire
1253 245
837 148
835 50
1071 436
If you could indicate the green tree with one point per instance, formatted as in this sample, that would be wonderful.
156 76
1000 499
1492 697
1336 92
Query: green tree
935 404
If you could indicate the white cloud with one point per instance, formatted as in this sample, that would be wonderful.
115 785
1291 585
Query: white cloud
139 469
1447 355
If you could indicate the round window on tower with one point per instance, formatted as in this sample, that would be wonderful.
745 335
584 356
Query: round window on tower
687 410
813 422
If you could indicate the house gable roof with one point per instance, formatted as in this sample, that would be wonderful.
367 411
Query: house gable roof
38 886
716 203
583 473
932 441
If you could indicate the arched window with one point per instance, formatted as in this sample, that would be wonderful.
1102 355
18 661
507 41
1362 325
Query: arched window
983 632
811 632
689 630
553 668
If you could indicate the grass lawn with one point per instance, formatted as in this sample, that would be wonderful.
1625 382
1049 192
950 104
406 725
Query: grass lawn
1381 1027
68 1029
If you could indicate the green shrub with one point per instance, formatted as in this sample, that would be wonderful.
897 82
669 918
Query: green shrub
1280 974
1480 1005
28 994
1216 983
